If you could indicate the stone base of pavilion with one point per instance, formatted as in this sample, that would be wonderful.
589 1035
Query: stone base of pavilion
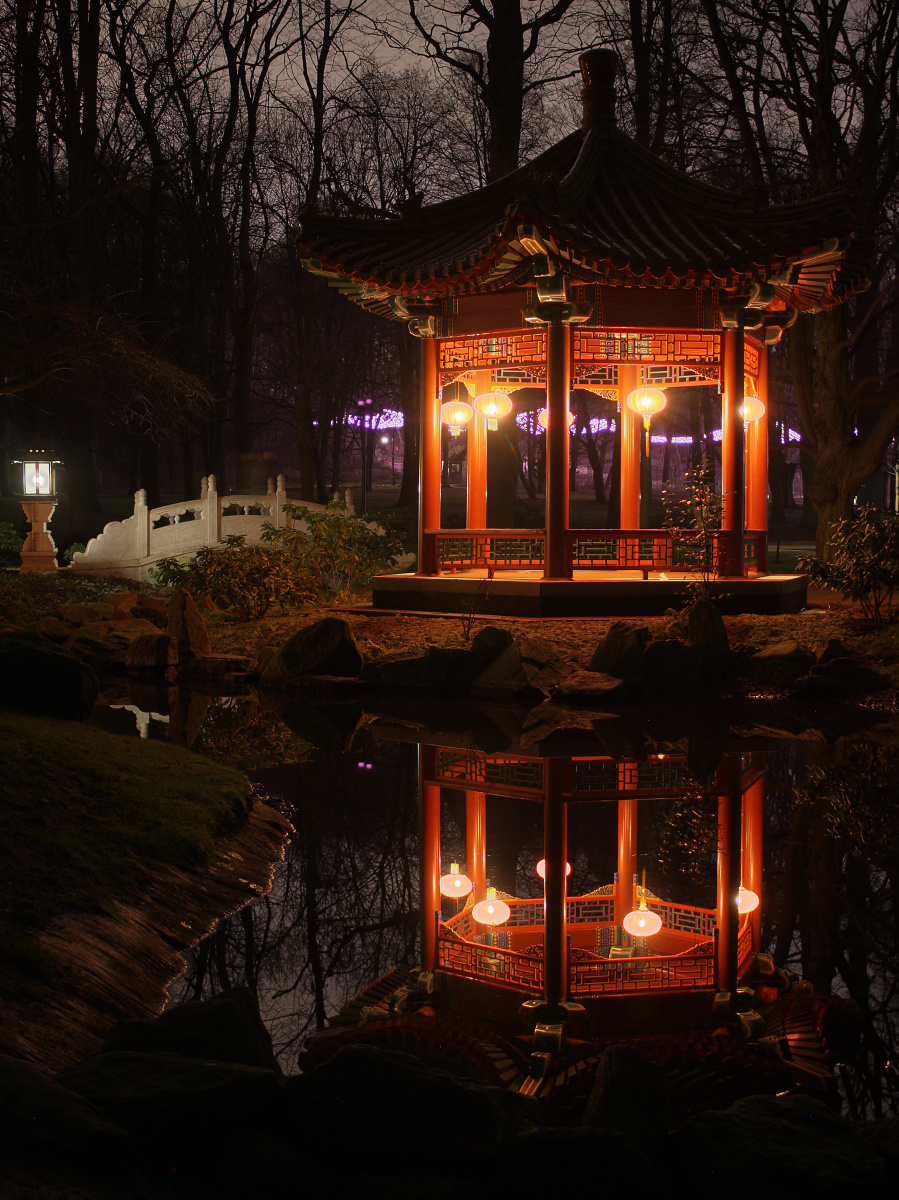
588 594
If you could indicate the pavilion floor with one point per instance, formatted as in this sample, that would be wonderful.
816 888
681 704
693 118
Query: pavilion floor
525 593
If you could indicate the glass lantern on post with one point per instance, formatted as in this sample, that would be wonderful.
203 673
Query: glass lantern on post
37 489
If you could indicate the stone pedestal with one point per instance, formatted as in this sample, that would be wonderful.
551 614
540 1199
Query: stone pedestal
39 551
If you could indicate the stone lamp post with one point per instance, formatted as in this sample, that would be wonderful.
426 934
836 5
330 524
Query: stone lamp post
38 482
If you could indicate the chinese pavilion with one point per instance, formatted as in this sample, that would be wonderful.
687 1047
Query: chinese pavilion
597 266
528 990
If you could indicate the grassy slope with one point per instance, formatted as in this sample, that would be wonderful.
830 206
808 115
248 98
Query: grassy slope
84 815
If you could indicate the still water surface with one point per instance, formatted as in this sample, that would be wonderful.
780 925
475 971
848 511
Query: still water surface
343 909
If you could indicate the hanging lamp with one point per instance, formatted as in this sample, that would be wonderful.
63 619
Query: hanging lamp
641 921
455 884
646 402
747 900
494 406
541 868
456 414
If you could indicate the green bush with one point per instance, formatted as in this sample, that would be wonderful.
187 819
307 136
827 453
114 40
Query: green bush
11 543
337 553
864 564
248 579
694 520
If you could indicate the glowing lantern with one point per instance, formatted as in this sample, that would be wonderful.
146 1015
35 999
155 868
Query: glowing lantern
646 402
747 901
455 884
640 922
456 414
541 868
491 911
493 406
752 408
543 418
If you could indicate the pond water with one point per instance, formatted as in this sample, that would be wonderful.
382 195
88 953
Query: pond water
344 907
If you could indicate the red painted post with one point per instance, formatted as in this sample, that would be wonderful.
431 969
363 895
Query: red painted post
428 458
631 428
555 851
627 849
729 797
757 465
428 854
557 564
730 542
753 846
476 493
476 842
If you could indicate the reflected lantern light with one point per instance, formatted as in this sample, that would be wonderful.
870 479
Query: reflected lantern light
747 900
751 409
456 414
641 922
455 884
543 418
491 911
646 402
541 868
493 406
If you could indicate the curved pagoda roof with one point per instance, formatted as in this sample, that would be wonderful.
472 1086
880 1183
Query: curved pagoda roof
604 210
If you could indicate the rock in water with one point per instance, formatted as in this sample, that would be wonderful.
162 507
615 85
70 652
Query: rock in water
620 653
629 1094
524 670
151 652
226 1028
779 665
186 626
669 665
326 647
707 636
38 677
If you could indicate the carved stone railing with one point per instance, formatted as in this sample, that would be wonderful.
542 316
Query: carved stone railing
131 548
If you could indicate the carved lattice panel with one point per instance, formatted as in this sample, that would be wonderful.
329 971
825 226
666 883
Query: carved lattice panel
478 771
476 353
594 775
608 345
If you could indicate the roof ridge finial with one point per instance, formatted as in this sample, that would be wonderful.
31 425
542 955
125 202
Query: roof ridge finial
598 70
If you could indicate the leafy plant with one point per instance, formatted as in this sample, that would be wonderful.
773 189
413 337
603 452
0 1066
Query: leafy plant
864 564
338 552
857 792
75 548
11 543
249 579
694 520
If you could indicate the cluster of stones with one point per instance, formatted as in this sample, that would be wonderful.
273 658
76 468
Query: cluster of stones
55 674
195 1103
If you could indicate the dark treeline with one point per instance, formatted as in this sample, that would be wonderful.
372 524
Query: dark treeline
155 158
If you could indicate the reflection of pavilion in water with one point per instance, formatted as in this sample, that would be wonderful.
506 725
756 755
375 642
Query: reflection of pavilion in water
534 997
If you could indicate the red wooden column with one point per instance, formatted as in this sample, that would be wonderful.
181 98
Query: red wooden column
727 917
558 385
476 495
730 541
428 458
631 428
757 464
753 845
556 774
627 848
428 854
476 842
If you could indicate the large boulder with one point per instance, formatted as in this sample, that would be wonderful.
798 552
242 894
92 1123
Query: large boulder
630 1095
326 647
489 642
838 679
367 1105
439 666
524 671
669 665
797 1138
707 636
186 627
40 1119
151 652
592 689
156 1097
38 677
620 653
780 664
227 1028
105 644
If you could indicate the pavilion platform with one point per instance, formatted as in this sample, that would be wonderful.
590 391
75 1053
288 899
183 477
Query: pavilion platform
526 593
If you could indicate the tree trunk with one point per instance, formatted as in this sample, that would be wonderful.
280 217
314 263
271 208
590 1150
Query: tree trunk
502 475
409 400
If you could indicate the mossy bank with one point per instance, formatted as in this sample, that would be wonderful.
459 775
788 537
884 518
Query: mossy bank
115 853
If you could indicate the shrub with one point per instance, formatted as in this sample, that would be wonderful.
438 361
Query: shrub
338 552
864 564
75 548
694 520
11 542
249 579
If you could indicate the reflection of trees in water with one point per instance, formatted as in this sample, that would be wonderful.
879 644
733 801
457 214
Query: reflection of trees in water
238 732
830 880
344 906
